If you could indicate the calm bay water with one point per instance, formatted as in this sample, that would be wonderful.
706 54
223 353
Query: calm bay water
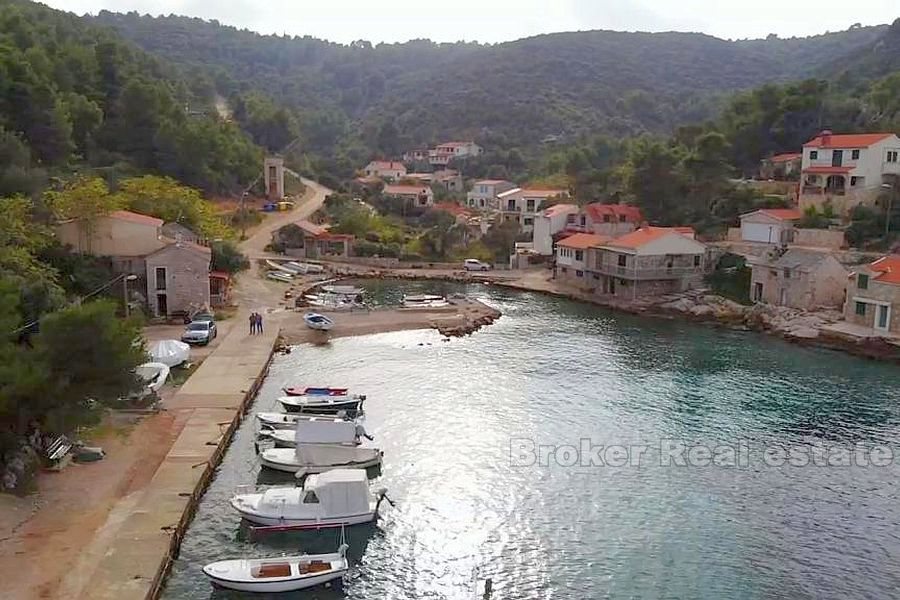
453 418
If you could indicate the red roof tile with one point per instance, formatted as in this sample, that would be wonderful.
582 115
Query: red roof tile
402 190
783 214
597 211
559 208
452 208
846 140
826 170
133 217
888 267
786 157
583 241
310 227
644 235
388 164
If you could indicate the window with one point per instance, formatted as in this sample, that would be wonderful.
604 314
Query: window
853 180
579 273
529 205
528 221
564 270
623 260
582 220
787 273
579 255
481 202
596 276
892 156
606 218
862 281
854 155
861 309
813 154
697 261
160 278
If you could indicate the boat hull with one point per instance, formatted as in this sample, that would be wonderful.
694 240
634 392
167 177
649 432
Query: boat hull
294 404
272 521
283 585
278 463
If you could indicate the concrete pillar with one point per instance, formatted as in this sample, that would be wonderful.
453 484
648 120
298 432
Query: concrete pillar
273 168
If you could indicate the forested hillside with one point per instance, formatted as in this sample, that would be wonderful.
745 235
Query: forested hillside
567 83
75 96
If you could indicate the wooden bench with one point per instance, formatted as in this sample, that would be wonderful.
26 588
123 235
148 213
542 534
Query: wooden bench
57 453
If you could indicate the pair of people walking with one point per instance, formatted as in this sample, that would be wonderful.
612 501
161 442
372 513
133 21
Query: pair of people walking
256 323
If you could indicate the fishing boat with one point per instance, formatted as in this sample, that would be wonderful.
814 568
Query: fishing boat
279 574
338 497
318 431
279 276
318 458
273 420
280 267
343 290
424 301
333 301
315 391
317 321
322 403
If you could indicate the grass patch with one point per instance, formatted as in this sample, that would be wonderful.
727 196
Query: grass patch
180 374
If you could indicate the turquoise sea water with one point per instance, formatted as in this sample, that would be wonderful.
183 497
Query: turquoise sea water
458 422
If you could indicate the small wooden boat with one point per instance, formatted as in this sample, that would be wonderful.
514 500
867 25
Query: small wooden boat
317 321
315 391
280 574
273 420
424 301
318 458
322 403
279 276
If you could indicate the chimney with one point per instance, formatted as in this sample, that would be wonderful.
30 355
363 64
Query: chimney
826 136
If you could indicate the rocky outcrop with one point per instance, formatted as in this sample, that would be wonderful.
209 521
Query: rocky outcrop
470 324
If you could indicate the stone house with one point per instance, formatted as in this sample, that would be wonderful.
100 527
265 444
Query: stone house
392 170
415 196
178 278
647 262
774 226
781 166
304 239
179 233
873 295
799 278
612 220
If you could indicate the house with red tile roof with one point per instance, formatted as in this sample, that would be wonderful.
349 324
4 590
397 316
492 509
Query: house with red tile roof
781 167
648 261
847 170
572 256
548 224
442 154
416 196
613 220
522 205
389 170
305 239
873 296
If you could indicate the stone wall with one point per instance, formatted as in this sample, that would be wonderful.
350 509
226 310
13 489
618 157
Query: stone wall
883 292
819 238
187 278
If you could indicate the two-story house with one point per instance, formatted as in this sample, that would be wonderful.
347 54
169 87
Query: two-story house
648 261
415 196
781 166
391 170
873 295
799 278
612 220
522 205
847 170
572 257
484 193
442 154
547 224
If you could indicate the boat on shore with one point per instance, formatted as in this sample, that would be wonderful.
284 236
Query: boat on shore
318 458
280 267
273 420
322 403
304 268
338 497
280 276
317 321
424 301
318 391
278 574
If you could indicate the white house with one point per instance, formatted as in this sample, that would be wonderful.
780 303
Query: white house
549 223
847 169
484 192
442 154
385 169
523 205
770 225
414 195
606 219
572 255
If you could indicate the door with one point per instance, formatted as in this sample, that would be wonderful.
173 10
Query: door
837 157
757 232
162 305
882 317
782 297
757 292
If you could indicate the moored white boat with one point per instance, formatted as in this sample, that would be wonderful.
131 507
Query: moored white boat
317 321
338 497
276 420
322 403
424 301
278 574
319 431
318 458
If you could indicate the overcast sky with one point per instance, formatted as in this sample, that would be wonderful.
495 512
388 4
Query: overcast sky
501 20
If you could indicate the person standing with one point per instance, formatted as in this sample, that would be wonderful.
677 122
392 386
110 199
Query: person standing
252 323
259 324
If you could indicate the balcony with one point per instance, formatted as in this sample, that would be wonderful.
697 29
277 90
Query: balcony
647 273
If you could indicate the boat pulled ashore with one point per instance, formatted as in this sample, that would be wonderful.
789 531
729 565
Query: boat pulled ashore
318 321
304 458
278 574
338 497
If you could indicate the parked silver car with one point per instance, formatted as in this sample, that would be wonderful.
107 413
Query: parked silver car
199 332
